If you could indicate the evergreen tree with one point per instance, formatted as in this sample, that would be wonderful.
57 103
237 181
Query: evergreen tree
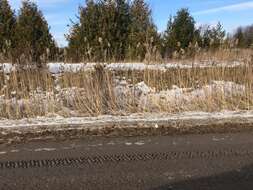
102 31
108 27
244 37
217 35
112 30
83 35
142 31
7 27
240 38
168 41
34 40
74 47
90 38
211 36
180 31
205 36
113 23
122 25
248 33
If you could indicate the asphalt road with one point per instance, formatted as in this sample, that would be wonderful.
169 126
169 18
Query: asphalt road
152 163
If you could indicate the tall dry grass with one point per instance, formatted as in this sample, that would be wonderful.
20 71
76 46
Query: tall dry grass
36 92
222 55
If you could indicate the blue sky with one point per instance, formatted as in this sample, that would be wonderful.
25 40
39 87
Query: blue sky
231 13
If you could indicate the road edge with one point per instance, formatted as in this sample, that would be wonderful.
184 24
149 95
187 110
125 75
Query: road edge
134 126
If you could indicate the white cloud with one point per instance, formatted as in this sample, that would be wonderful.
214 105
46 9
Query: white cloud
235 7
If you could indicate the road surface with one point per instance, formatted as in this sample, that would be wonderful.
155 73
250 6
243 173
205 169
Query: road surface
223 161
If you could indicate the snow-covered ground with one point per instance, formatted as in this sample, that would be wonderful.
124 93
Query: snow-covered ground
56 68
150 99
133 119
166 66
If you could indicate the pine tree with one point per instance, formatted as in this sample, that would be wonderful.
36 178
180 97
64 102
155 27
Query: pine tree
111 30
168 42
7 27
114 25
109 36
244 37
248 33
73 38
86 36
142 31
180 31
205 36
34 40
122 25
101 32
217 35
240 38
211 36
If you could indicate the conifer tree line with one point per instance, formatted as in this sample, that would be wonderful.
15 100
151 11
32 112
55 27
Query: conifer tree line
113 30
25 36
118 30
108 30
244 37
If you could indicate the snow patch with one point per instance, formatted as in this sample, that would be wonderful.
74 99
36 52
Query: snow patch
57 68
148 98
6 67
